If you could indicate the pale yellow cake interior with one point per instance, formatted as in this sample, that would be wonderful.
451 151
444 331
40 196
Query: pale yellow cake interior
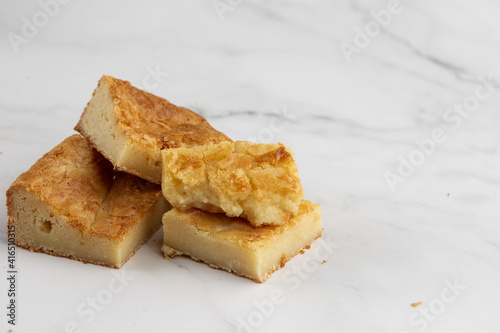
232 244
258 182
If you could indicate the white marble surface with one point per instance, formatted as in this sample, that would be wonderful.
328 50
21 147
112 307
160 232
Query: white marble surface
276 71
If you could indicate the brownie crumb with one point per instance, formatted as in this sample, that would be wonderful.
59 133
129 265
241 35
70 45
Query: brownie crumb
283 260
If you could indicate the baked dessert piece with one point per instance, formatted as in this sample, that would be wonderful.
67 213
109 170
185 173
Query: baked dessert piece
233 245
71 204
258 182
130 126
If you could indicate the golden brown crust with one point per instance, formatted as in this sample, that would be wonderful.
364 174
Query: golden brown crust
62 177
127 201
155 122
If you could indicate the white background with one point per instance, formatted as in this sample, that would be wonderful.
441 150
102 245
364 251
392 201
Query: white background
278 71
